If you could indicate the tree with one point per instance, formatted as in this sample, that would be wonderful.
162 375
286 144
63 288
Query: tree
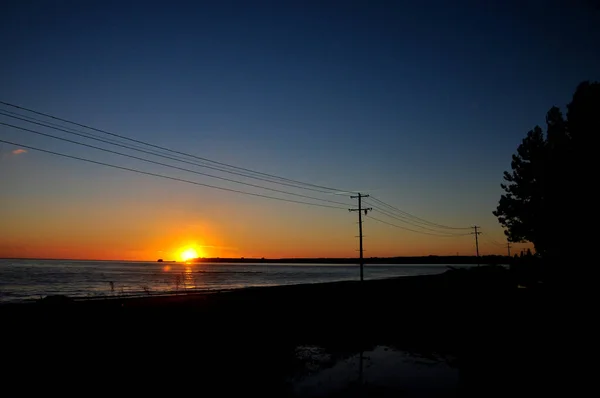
544 199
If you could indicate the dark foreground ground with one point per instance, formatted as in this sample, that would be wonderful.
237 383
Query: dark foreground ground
245 343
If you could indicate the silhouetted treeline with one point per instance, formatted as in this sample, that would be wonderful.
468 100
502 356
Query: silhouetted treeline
492 259
548 194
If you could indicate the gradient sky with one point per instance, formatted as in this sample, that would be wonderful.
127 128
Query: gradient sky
420 104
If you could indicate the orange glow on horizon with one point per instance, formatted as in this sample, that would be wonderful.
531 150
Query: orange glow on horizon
179 234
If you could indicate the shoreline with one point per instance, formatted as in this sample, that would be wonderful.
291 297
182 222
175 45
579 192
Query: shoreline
201 289
191 294
244 340
187 295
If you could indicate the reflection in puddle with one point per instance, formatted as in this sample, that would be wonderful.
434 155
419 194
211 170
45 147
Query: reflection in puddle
384 371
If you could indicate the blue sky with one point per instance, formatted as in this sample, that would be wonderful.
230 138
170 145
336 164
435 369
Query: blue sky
419 103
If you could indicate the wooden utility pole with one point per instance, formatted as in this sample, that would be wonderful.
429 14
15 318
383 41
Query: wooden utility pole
360 234
476 241
508 248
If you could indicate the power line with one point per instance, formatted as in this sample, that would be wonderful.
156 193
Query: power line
175 157
417 219
382 211
171 166
508 246
150 152
169 177
167 149
412 230
491 241
70 130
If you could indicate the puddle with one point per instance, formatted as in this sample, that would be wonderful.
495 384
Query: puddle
385 372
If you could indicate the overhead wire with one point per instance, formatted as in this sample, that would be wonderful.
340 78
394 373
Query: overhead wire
171 166
393 211
492 241
168 177
404 220
412 230
149 151
71 130
168 149
415 218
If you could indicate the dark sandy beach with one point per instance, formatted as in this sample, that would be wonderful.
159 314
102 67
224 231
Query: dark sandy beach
243 342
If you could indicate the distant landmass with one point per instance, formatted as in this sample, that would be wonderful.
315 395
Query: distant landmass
492 259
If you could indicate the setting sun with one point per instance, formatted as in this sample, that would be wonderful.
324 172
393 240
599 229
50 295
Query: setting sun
189 254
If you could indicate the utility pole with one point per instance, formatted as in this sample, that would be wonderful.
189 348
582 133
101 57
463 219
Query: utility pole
508 248
476 241
360 234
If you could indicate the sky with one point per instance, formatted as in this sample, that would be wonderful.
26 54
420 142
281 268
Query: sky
418 104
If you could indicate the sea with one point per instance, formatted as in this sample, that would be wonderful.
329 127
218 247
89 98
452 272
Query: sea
29 280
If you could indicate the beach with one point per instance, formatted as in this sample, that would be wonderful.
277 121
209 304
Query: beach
29 279
246 341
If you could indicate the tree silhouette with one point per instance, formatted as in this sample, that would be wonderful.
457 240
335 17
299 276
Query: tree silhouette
544 199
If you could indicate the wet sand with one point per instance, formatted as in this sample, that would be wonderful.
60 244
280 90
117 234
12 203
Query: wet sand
245 342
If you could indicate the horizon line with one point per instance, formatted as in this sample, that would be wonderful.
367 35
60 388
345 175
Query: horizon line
251 258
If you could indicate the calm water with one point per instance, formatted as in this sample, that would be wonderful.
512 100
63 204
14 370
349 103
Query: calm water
22 280
383 372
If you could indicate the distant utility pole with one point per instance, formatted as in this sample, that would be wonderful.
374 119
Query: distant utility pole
360 234
508 248
476 241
